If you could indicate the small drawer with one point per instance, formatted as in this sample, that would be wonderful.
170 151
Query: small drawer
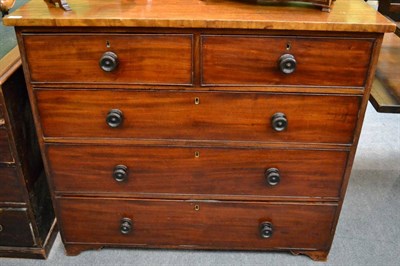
110 58
199 116
5 152
298 61
196 224
10 189
259 173
15 230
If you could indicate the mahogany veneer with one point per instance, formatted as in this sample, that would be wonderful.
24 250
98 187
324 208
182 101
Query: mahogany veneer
199 124
136 52
184 176
218 116
251 60
223 225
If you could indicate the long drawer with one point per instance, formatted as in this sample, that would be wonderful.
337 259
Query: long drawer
187 171
195 224
138 59
5 152
15 229
198 115
255 60
10 188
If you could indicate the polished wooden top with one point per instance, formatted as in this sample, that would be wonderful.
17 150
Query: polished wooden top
385 93
346 15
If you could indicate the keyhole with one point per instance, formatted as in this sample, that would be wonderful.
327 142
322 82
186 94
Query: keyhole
197 100
108 45
196 154
288 46
196 207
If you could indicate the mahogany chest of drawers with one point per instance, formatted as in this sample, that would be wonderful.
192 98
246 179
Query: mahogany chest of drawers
27 221
198 125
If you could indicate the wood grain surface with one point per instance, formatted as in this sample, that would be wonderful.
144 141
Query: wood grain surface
167 171
202 14
218 116
253 60
143 59
226 225
385 93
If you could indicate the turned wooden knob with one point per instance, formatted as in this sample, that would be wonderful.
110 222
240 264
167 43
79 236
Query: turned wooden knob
279 122
272 176
114 118
126 226
120 173
266 230
108 61
287 64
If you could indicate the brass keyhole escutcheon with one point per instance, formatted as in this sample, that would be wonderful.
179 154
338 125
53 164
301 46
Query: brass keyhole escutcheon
196 100
196 207
196 154
108 45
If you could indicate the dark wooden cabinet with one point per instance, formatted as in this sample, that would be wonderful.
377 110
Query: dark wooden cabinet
390 8
27 221
199 124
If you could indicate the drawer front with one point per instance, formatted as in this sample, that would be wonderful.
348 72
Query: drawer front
178 171
5 152
252 60
217 116
10 189
142 58
14 228
233 225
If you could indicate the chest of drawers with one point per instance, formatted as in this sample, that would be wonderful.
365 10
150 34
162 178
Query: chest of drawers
198 125
27 222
